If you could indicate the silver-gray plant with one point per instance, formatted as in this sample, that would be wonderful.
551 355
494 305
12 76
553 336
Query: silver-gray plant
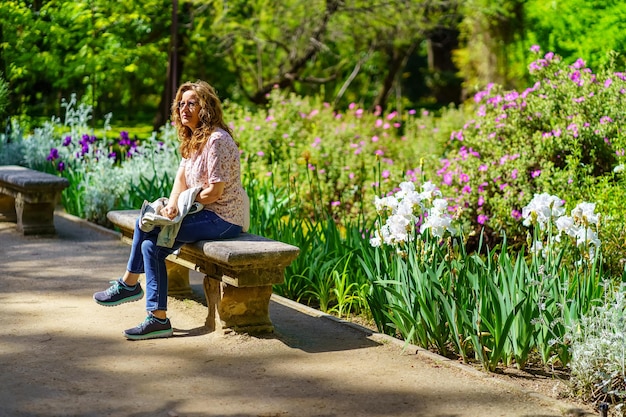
598 347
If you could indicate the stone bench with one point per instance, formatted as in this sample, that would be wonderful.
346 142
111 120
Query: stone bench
28 198
239 274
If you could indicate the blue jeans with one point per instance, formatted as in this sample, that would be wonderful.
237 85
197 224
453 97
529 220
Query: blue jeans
146 257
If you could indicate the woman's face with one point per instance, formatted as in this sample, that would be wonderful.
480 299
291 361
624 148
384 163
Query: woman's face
188 109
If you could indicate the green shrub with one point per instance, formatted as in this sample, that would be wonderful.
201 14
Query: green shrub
4 97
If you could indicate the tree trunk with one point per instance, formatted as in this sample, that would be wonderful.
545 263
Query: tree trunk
443 80
396 60
174 69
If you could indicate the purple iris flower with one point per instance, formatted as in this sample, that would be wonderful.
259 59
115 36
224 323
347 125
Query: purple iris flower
124 138
53 155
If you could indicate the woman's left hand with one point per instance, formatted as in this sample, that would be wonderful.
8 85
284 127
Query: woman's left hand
170 211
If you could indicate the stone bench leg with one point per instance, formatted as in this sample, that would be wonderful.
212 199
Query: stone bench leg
34 218
177 280
7 209
243 310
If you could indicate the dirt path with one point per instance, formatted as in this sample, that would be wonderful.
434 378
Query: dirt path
63 355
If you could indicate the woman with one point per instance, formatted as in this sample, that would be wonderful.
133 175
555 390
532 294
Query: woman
210 167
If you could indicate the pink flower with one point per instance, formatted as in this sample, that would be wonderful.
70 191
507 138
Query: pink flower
516 214
478 97
535 174
481 200
335 203
482 219
579 63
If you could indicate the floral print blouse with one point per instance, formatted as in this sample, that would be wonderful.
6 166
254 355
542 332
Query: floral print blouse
219 161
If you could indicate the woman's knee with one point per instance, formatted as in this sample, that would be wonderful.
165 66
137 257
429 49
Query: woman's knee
150 249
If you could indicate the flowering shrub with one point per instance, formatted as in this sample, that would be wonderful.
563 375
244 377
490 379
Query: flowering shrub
558 136
335 162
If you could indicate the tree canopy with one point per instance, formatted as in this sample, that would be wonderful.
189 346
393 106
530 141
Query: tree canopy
128 57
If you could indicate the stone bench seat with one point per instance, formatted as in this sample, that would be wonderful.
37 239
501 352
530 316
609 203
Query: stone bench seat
28 198
239 274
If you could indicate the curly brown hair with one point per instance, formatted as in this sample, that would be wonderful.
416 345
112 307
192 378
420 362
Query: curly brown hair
210 115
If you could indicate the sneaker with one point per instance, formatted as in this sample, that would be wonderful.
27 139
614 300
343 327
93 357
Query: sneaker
151 328
118 293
